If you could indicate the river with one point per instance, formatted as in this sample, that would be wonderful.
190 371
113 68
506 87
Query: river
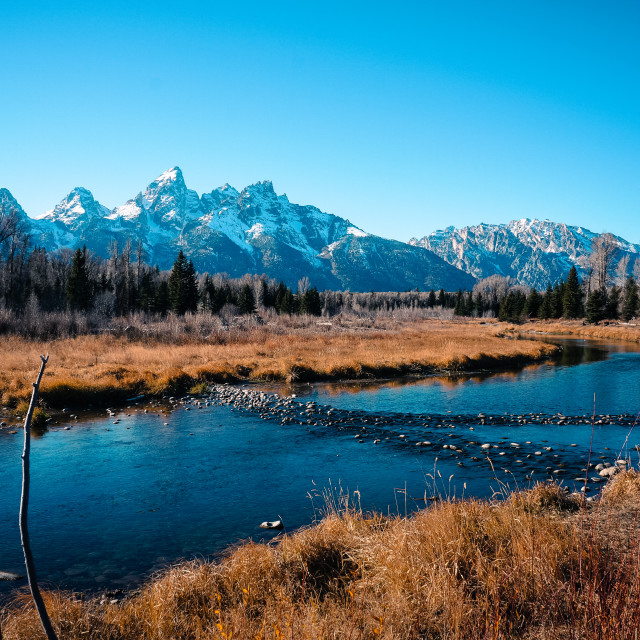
115 498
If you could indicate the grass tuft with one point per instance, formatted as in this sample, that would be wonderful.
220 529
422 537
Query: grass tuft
468 569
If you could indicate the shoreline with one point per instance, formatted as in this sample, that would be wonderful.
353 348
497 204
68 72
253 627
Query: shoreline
101 371
534 562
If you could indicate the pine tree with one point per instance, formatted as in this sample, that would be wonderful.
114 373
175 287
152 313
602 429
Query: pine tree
546 310
147 293
310 302
281 291
533 304
458 309
596 305
479 305
431 302
246 300
631 302
287 304
572 296
613 304
79 285
556 300
183 286
163 299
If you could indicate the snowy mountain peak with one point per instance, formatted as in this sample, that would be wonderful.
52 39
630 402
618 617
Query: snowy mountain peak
263 189
170 175
8 203
78 205
252 231
533 252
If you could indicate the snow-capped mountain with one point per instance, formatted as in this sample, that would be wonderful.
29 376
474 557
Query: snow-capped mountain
532 252
237 232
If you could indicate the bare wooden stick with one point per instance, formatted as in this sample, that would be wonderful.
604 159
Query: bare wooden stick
24 507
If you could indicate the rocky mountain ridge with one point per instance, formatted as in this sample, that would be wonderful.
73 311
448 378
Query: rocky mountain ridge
532 252
237 232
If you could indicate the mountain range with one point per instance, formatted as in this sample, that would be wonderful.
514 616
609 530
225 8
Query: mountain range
530 252
238 232
257 231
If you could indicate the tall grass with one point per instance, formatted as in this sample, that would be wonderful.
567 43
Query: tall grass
114 366
523 567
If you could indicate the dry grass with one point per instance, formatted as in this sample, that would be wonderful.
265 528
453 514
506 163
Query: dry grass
605 331
471 569
109 368
623 489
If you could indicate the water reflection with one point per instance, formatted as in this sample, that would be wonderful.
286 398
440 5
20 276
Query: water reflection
574 352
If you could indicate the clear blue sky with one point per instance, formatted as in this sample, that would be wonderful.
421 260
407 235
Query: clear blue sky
403 117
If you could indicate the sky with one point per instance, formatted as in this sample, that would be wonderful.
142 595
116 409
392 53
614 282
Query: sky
402 117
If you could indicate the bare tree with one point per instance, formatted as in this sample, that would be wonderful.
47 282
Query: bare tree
24 508
603 250
303 285
10 224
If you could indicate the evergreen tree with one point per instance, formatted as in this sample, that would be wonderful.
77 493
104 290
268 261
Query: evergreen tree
613 304
596 306
281 291
572 296
431 302
631 302
478 306
533 304
546 310
311 302
191 288
163 299
459 307
287 303
183 286
147 293
556 300
79 288
442 301
246 300
512 307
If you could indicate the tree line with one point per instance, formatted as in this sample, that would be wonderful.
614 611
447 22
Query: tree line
567 298
35 281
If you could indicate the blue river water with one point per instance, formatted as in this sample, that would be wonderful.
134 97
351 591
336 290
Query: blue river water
115 499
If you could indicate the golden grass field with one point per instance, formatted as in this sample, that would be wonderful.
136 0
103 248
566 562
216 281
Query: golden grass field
108 368
535 565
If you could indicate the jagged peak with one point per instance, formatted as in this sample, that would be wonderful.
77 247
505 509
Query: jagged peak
170 175
168 178
79 192
6 197
228 190
263 187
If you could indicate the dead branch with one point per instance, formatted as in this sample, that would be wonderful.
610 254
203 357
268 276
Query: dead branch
24 506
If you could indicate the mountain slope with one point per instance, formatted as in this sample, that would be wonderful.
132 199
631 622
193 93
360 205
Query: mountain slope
532 252
237 232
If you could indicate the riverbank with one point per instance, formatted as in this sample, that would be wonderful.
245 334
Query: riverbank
109 369
536 564
618 331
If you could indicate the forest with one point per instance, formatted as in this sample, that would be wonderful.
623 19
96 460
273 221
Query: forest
53 294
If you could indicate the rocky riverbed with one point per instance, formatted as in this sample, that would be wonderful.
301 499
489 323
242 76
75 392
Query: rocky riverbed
447 436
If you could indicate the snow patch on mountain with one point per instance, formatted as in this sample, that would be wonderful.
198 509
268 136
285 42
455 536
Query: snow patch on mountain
532 252
250 231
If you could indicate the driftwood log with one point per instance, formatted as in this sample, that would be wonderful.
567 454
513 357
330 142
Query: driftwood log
24 508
